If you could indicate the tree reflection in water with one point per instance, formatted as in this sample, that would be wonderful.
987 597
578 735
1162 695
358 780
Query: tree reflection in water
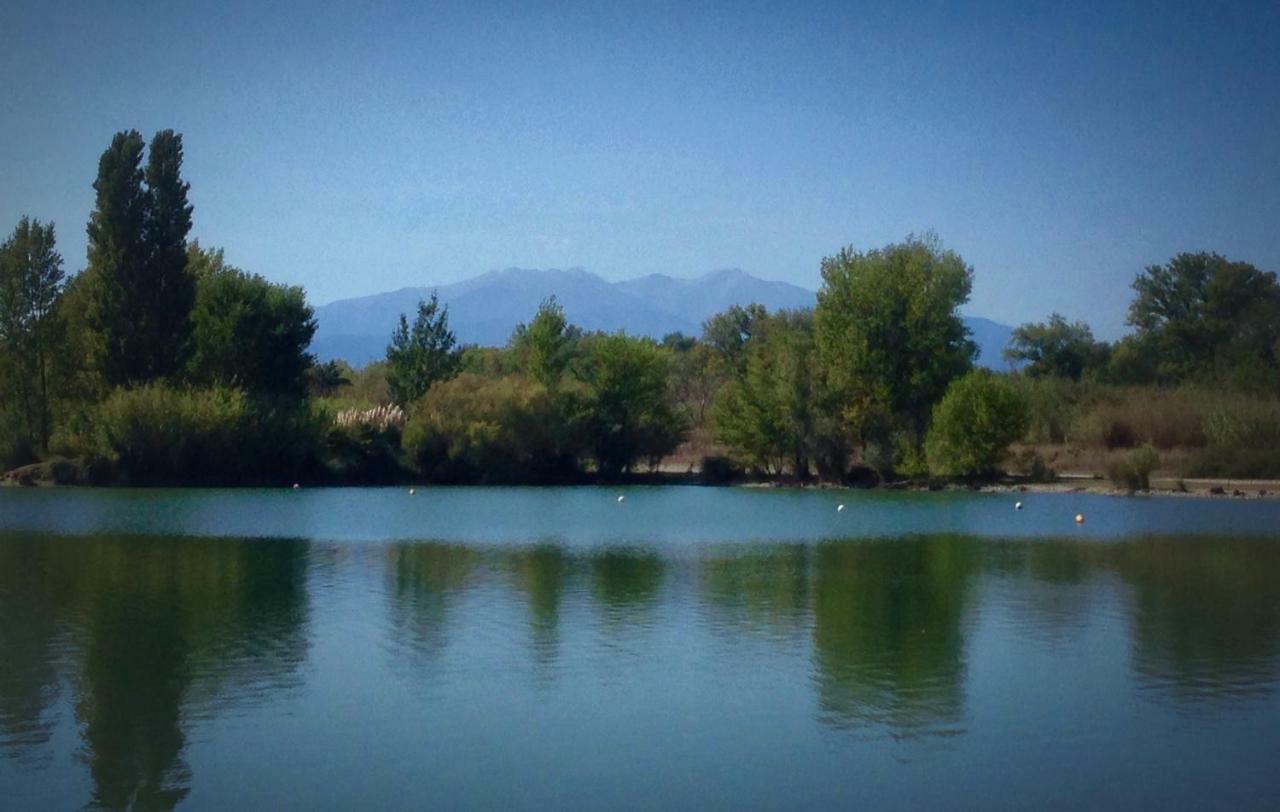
542 574
427 580
889 632
154 635
159 630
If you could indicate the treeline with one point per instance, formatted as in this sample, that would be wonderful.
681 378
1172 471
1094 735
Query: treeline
161 363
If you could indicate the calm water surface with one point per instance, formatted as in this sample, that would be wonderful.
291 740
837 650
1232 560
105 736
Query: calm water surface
691 648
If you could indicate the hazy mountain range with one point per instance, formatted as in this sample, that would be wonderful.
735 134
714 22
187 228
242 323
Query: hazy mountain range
486 308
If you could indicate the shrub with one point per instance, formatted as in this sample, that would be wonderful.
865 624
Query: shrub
364 453
1053 406
1166 418
492 430
719 470
974 424
1243 442
157 434
1254 424
1031 464
16 446
1132 471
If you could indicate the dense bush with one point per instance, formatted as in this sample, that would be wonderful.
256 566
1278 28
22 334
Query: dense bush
16 446
1166 418
1132 471
157 434
1053 406
492 430
974 424
1243 442
363 453
1031 464
719 470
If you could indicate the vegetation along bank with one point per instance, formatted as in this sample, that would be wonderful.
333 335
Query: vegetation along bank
161 363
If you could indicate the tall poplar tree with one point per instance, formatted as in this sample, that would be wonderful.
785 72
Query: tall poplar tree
117 255
170 289
140 294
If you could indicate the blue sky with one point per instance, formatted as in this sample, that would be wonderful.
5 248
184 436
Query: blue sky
354 148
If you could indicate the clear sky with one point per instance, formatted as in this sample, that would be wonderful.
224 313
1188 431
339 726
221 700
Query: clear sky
355 148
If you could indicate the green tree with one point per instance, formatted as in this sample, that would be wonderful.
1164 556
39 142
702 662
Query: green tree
1202 315
170 290
31 283
728 333
627 415
247 332
888 333
974 424
545 345
117 253
696 377
1056 348
767 415
140 295
421 354
678 342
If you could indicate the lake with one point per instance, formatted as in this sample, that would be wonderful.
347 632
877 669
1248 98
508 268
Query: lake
686 647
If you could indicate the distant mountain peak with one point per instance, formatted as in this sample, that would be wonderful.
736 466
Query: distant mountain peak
729 273
486 308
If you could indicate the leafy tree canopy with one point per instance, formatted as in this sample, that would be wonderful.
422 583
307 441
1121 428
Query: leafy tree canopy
728 333
1202 315
888 332
545 345
248 332
1056 348
31 283
768 414
627 415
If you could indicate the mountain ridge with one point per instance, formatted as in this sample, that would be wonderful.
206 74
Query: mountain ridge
486 308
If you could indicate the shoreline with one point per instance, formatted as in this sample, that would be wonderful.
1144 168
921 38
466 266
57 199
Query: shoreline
54 475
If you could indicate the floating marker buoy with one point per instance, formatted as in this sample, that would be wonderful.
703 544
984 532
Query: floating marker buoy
1079 518
1017 506
296 486
839 508
622 498
412 491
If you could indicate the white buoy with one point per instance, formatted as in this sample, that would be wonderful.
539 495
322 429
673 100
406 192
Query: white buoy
296 486
412 491
1017 506
1079 518
622 498
839 508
